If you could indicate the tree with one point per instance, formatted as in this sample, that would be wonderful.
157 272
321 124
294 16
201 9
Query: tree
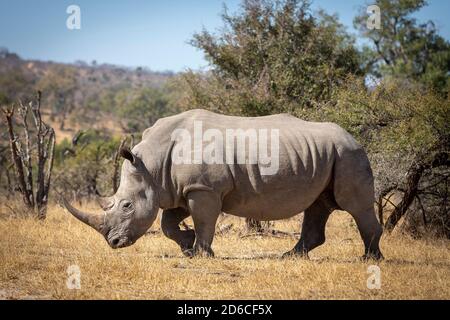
60 83
87 166
34 188
405 49
271 57
15 84
406 130
142 108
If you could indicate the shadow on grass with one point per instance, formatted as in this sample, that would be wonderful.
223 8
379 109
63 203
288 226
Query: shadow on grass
403 262
318 260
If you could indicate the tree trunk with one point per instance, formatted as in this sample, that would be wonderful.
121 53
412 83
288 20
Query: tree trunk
253 225
16 159
412 184
34 192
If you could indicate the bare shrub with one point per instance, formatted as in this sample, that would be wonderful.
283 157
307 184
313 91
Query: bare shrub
31 148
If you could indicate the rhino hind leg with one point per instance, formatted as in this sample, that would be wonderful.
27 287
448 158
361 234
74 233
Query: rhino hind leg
354 193
370 231
313 227
170 221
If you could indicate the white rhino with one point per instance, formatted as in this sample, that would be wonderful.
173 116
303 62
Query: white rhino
319 167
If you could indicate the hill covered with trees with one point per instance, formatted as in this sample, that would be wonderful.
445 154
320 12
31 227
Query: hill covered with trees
86 95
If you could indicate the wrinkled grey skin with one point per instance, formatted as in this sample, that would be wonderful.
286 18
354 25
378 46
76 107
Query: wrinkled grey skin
321 169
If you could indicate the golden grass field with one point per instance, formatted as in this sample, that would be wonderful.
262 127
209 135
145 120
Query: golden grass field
35 256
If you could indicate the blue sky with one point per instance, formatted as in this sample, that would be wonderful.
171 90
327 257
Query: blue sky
152 34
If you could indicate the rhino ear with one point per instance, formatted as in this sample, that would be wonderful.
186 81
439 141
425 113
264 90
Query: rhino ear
127 154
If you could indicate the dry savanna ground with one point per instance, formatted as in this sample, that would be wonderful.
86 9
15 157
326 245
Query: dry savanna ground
35 257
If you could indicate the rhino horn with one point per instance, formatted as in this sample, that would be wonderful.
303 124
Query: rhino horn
95 220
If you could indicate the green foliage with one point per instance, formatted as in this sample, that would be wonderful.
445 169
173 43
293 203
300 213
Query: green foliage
403 48
271 57
84 94
143 108
86 168
403 126
395 117
59 84
14 85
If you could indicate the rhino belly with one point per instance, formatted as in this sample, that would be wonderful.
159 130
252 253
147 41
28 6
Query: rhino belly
278 201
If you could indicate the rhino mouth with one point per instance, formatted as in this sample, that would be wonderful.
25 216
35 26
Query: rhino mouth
120 242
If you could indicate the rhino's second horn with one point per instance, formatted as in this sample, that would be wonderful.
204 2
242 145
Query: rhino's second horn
105 203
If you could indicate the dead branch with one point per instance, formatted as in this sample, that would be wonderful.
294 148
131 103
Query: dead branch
382 197
221 230
26 156
412 182
44 141
17 160
422 209
185 226
253 225
272 233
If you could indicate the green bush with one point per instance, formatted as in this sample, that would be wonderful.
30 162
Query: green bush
406 130
270 58
86 168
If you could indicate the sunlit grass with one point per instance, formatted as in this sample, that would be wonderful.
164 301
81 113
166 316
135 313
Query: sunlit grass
35 255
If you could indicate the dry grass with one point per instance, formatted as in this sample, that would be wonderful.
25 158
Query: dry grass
35 255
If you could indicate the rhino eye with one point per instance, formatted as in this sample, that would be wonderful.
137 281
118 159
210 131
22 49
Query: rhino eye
127 205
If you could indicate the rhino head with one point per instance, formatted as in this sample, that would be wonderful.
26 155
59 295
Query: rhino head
130 212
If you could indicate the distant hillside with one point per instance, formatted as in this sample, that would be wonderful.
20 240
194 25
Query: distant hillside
82 95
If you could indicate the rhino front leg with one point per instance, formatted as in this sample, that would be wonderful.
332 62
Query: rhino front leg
205 207
170 221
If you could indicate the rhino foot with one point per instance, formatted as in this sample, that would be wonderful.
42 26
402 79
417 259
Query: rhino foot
377 256
187 244
199 252
188 252
295 254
